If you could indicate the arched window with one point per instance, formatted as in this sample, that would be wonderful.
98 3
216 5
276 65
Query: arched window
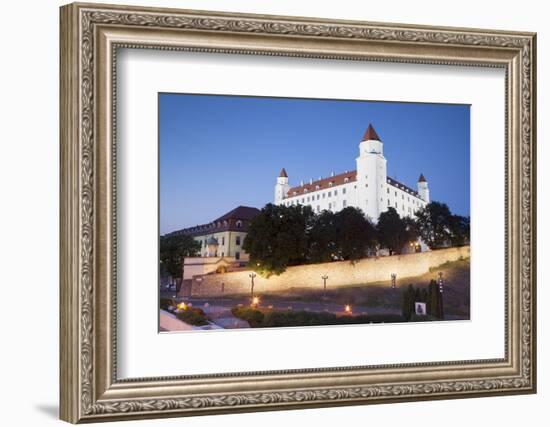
239 223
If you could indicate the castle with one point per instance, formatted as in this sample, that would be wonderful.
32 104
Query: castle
368 188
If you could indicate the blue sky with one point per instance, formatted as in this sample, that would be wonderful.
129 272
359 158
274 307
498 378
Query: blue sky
218 152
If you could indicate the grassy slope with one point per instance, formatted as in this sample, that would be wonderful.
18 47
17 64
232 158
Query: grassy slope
456 295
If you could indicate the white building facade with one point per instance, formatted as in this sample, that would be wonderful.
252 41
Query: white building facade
368 187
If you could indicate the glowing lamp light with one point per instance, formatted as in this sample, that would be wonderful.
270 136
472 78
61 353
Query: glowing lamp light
347 309
182 306
255 301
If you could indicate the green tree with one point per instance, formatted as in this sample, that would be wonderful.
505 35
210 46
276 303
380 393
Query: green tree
407 304
323 238
278 237
433 223
434 305
356 235
173 248
459 227
394 232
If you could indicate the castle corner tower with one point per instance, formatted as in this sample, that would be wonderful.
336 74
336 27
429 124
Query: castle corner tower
423 190
282 187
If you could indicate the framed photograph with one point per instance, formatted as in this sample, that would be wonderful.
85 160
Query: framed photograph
266 212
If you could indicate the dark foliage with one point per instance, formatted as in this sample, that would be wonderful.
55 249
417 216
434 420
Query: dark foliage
173 248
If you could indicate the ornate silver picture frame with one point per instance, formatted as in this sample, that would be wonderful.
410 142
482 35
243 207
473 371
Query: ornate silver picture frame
91 390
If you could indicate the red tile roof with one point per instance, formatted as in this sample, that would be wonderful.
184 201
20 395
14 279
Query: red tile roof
323 183
370 134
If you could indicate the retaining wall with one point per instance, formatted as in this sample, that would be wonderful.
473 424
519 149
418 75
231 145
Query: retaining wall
341 273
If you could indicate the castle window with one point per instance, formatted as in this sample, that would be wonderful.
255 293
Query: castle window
237 255
346 179
308 199
238 240
388 191
403 196
344 203
239 224
330 205
223 241
330 193
318 208
343 191
324 195
318 196
395 204
388 202
396 194
335 192
330 184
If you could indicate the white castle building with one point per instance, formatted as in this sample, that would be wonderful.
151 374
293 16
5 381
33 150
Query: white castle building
368 188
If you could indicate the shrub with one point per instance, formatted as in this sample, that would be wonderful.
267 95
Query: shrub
253 316
193 316
167 302
275 319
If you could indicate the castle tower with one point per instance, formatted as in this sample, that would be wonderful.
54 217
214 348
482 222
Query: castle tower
371 175
282 187
423 190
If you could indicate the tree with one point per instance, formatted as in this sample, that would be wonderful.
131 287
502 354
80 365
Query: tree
407 306
323 238
278 237
435 300
173 248
459 227
394 232
355 234
433 223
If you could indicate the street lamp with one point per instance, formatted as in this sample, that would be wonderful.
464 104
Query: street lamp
252 275
440 281
324 277
393 280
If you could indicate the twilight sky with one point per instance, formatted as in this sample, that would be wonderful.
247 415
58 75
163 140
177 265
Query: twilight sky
219 152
